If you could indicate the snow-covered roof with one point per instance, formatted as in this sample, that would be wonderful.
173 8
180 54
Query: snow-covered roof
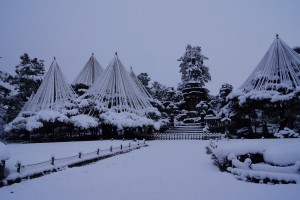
225 119
4 155
90 73
117 90
279 68
52 93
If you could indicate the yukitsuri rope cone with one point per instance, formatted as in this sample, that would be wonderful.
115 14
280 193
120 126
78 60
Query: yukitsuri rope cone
90 73
278 69
53 92
117 90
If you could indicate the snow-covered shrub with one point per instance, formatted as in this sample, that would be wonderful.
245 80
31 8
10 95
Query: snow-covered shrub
127 121
277 107
84 121
286 133
244 131
259 161
181 117
192 114
192 120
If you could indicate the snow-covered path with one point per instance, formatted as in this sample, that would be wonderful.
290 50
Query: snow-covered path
164 170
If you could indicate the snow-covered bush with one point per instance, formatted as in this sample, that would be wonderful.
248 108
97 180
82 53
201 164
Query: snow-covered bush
261 109
84 121
259 161
286 133
192 120
181 117
126 120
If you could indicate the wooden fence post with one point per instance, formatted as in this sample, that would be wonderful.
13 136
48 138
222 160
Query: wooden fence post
52 160
110 149
18 165
98 151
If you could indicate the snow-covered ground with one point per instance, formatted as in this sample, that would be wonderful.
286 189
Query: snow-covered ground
164 170
39 152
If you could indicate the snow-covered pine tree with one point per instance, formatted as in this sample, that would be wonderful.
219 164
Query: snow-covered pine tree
297 49
158 90
192 66
268 101
224 92
144 78
5 92
80 88
28 77
219 101
5 89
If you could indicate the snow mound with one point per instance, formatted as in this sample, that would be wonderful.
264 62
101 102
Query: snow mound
286 133
259 161
84 121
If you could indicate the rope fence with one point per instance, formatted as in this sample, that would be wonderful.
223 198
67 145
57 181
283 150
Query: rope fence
57 164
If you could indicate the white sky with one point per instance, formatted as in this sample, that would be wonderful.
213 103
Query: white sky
148 35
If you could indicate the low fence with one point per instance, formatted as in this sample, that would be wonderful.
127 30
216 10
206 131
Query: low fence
176 124
184 136
57 164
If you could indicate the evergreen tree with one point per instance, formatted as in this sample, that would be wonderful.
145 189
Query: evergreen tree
158 90
80 88
219 101
144 78
28 77
297 49
192 66
224 92
5 92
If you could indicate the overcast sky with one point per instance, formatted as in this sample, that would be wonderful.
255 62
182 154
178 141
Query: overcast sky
148 35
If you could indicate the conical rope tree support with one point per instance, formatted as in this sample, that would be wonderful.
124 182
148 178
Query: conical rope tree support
116 90
90 73
278 69
53 92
